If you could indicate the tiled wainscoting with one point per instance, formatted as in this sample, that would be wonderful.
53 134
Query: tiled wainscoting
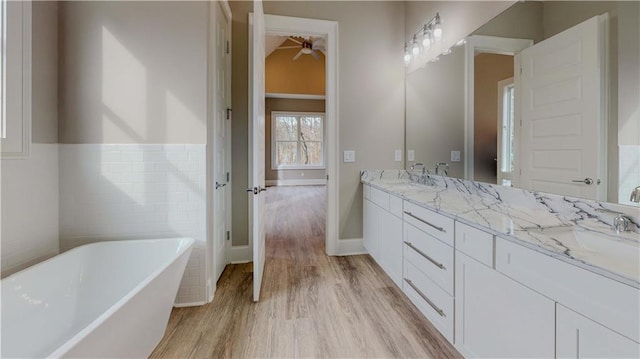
629 171
117 191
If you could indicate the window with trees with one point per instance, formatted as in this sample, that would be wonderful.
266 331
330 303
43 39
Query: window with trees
297 140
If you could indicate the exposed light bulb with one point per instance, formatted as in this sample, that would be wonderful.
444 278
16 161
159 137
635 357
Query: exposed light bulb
437 32
437 28
426 40
446 51
407 57
415 49
461 42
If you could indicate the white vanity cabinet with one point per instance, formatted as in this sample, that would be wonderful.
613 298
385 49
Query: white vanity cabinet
580 337
496 317
382 230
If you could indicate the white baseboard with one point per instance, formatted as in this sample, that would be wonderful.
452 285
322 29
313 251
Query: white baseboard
240 254
296 182
350 247
192 304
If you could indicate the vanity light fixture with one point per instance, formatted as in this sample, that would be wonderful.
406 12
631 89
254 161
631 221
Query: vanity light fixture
446 51
461 42
423 39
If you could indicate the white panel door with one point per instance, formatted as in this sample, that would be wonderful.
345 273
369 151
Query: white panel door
257 147
221 143
562 111
579 337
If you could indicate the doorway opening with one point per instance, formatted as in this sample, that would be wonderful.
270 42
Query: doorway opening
295 142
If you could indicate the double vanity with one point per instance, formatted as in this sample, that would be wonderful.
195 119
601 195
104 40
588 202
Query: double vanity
504 272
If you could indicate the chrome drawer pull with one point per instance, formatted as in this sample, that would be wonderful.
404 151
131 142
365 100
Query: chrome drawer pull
425 222
438 310
439 265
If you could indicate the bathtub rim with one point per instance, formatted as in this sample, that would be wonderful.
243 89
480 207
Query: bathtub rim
76 338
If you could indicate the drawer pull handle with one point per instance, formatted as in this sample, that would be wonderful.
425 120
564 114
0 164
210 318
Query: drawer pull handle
439 265
425 222
438 310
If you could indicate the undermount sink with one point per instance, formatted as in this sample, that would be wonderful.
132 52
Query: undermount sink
610 251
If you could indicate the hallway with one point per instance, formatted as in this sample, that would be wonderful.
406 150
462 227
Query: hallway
311 305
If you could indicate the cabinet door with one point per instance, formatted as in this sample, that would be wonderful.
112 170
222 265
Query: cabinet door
580 337
370 227
390 246
497 317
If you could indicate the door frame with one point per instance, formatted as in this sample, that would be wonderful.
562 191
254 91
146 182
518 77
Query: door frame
210 266
286 25
485 44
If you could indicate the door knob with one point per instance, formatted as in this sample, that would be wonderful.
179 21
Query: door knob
254 190
587 181
218 185
262 189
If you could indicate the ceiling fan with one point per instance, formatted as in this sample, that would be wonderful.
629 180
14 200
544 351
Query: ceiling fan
307 46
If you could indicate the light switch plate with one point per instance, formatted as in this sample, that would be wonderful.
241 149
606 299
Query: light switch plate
398 155
349 156
411 155
455 156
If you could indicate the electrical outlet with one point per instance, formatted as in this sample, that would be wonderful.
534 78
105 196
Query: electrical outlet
455 156
411 155
398 156
349 156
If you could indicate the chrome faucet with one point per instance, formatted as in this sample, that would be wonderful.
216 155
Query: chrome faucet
635 195
424 178
621 223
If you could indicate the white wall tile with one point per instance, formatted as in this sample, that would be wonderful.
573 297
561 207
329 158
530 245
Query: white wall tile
116 191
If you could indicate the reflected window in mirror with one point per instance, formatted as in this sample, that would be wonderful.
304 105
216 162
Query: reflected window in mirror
506 132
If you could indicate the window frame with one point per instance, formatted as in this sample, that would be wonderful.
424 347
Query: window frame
298 166
15 115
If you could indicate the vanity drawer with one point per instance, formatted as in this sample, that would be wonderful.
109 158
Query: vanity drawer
430 256
430 299
602 299
475 243
395 205
379 197
429 221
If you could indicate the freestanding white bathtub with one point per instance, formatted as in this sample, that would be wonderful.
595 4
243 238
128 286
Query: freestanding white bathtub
100 300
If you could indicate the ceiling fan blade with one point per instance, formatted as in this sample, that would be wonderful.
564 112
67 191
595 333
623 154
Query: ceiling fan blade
315 55
297 55
294 40
288 47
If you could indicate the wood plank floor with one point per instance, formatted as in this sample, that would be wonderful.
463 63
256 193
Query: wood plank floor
311 305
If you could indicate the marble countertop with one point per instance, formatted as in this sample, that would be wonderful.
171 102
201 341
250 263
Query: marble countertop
574 230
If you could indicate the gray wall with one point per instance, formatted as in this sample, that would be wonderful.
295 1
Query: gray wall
133 72
44 69
282 104
370 89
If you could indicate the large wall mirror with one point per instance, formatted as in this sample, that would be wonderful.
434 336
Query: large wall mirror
544 97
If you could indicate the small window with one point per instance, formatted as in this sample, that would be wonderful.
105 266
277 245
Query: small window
297 140
15 78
